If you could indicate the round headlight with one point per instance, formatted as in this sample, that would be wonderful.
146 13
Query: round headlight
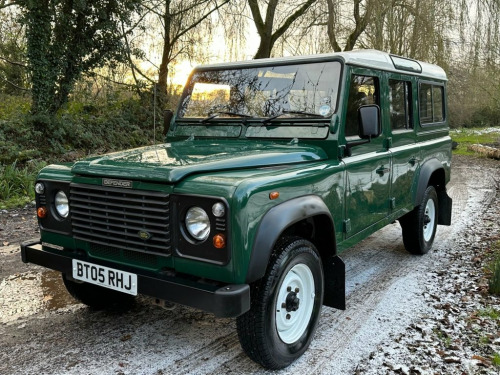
218 209
39 188
198 223
61 203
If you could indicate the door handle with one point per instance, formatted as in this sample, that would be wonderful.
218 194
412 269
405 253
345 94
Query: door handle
382 170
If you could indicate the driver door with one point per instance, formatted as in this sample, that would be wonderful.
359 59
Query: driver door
368 167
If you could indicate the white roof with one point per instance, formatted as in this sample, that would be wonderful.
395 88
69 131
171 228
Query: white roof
363 58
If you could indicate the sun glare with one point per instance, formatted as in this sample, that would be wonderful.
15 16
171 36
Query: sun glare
180 73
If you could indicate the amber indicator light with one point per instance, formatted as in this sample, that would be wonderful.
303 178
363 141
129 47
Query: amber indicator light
41 212
219 241
274 195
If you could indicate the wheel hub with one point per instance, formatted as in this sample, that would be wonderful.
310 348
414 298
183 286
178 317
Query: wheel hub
292 302
429 218
292 313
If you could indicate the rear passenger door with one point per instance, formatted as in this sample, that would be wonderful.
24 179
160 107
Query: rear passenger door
399 110
368 167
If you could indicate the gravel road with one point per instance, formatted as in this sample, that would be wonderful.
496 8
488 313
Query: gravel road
391 305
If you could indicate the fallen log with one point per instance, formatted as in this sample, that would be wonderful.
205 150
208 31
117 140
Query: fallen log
490 152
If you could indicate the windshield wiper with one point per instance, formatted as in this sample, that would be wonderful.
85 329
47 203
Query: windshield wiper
303 113
207 119
286 112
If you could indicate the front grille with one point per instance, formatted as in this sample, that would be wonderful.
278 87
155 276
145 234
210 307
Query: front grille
137 258
125 219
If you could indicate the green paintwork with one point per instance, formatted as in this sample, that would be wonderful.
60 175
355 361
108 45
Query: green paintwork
171 162
242 162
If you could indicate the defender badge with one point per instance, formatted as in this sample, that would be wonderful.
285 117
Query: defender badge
117 183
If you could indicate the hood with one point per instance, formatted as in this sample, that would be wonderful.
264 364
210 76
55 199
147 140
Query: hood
171 162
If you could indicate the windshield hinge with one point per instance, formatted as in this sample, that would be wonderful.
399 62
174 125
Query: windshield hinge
341 152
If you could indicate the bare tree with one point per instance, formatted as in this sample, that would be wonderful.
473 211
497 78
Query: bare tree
272 27
180 21
360 15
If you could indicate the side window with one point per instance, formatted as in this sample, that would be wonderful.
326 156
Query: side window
400 104
431 104
362 91
437 103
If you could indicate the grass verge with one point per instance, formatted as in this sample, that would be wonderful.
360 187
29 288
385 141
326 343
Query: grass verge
494 269
17 183
469 136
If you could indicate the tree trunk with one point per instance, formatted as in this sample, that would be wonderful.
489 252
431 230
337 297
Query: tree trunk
265 28
161 87
38 35
265 48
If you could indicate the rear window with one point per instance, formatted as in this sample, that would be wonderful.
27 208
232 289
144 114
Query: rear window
431 103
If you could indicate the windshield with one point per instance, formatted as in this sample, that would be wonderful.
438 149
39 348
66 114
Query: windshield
290 90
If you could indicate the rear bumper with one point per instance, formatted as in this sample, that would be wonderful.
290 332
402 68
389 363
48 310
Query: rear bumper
222 300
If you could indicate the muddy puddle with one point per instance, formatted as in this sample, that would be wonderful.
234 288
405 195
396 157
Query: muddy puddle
30 293
55 295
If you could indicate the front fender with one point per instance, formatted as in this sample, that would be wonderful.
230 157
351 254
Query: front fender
274 223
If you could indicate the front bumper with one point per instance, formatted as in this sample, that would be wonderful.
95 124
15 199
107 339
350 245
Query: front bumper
222 300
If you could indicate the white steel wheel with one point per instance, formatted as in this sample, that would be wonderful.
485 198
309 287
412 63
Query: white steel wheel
285 305
429 220
294 304
419 226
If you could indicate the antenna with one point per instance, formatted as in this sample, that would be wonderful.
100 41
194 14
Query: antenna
154 115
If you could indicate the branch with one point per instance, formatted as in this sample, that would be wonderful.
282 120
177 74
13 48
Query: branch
132 65
257 18
113 81
13 84
200 20
190 7
330 28
132 28
13 62
159 14
361 22
278 33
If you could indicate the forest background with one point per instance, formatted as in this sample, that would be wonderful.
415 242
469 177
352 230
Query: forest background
79 77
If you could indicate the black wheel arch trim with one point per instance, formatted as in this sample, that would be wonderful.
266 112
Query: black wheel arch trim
275 222
445 202
426 171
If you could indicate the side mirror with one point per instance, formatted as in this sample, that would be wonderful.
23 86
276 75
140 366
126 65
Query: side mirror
167 118
369 121
369 126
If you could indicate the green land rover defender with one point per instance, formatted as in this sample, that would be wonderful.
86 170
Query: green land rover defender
271 168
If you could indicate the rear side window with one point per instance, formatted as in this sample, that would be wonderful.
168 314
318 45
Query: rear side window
431 103
400 108
363 91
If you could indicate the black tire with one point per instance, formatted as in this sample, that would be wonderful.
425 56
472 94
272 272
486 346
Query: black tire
98 298
419 226
258 328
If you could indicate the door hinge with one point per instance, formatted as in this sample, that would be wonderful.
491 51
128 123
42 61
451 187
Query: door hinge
392 203
347 225
388 142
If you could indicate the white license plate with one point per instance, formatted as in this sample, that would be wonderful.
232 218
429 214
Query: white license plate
121 281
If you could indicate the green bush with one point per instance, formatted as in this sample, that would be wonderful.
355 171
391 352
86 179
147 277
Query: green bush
485 117
28 142
17 183
84 127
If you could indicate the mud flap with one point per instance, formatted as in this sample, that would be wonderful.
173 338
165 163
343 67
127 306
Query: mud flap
334 295
445 205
